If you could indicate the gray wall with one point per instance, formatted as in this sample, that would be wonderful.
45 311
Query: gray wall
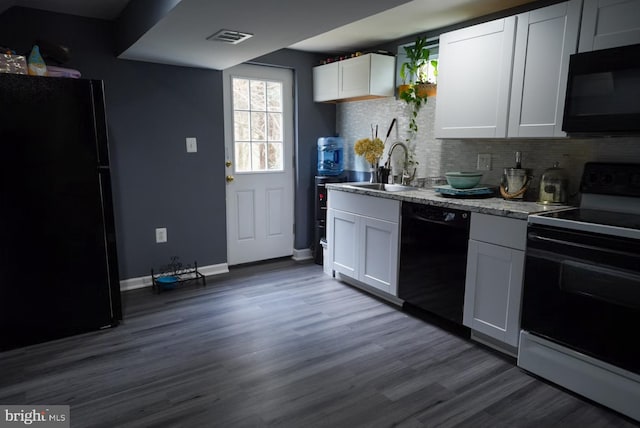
151 108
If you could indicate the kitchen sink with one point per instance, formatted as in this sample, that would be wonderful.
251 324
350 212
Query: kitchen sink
383 187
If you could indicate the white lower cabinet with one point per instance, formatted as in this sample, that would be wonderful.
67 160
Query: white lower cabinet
343 250
363 239
379 255
495 266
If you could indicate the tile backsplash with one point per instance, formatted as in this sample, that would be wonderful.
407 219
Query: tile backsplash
435 157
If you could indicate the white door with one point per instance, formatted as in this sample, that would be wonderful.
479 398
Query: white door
259 151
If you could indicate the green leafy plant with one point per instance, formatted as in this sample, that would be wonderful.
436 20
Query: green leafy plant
417 56
434 64
414 77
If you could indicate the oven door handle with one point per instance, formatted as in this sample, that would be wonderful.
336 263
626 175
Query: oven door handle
536 237
603 283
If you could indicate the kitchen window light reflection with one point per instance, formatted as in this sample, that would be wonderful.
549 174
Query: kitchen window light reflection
257 124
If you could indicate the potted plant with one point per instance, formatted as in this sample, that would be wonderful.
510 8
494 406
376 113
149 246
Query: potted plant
415 88
425 87
417 57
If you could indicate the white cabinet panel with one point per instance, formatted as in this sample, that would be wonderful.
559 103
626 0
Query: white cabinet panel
354 77
545 39
325 82
609 24
379 255
495 270
474 80
508 232
363 239
507 78
493 291
343 230
369 206
366 76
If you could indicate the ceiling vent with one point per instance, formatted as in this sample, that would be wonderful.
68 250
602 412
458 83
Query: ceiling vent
230 36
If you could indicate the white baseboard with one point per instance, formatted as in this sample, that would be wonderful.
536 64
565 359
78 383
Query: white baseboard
300 255
145 281
369 289
494 343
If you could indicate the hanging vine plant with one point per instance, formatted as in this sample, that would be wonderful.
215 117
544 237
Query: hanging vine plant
416 101
415 89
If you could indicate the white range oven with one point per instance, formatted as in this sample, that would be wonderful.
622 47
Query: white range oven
581 298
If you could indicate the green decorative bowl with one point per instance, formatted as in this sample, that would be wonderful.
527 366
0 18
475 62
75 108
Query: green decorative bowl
463 180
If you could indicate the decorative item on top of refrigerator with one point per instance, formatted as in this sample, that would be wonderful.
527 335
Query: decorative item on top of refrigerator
330 155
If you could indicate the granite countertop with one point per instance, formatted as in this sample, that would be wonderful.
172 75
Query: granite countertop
493 206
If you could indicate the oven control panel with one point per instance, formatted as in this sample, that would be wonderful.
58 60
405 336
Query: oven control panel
616 179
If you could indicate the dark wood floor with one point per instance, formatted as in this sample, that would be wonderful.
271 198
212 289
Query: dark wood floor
282 345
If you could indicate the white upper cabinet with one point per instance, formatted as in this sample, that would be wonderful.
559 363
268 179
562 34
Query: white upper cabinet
366 76
609 24
545 38
325 82
474 75
507 78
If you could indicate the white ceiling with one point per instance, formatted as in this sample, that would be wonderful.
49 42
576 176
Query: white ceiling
327 26
104 9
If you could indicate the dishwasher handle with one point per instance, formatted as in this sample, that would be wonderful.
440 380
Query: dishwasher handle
442 216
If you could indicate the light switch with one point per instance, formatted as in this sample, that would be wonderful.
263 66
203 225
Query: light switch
161 235
484 162
192 145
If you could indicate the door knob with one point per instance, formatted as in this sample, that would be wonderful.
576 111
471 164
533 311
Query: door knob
229 178
227 163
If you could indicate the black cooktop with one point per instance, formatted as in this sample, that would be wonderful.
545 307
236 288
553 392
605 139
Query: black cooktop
608 218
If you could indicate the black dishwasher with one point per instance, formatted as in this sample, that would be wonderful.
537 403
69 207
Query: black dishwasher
433 260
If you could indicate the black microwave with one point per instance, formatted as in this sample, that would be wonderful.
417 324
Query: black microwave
603 92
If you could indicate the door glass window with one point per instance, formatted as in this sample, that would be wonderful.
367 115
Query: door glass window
257 124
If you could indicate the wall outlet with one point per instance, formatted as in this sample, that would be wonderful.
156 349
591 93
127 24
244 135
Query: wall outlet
192 145
161 235
484 162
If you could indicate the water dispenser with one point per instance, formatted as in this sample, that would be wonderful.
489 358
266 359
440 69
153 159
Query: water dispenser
330 156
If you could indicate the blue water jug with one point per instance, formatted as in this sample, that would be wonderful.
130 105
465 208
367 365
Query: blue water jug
330 155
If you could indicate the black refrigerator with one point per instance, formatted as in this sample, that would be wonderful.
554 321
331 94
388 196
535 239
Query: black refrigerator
58 265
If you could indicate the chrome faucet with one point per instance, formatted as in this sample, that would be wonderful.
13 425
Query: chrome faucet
406 178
